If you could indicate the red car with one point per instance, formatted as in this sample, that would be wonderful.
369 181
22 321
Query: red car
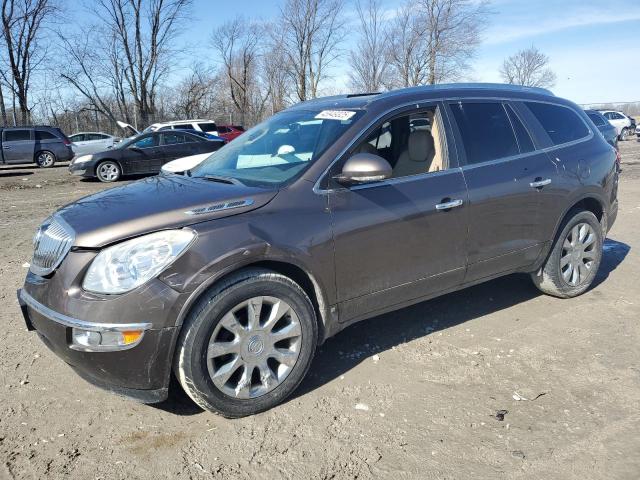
229 132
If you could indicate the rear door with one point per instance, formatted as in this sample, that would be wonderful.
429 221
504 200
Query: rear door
505 174
176 144
18 145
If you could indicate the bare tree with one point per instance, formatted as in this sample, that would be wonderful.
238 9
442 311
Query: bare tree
407 48
23 27
453 29
368 60
194 94
239 44
143 33
312 31
528 67
434 40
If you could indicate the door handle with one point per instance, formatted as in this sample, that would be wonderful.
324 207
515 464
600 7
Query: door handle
539 183
448 204
6 147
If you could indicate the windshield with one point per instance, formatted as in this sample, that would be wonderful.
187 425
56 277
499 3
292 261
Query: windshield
279 148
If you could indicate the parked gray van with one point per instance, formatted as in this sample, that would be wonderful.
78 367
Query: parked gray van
330 212
40 144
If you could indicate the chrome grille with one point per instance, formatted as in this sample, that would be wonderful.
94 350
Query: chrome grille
52 242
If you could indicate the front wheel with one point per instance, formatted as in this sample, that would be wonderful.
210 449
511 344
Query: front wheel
247 344
108 171
574 259
45 159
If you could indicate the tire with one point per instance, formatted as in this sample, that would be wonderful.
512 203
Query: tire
624 134
45 159
556 278
250 379
108 171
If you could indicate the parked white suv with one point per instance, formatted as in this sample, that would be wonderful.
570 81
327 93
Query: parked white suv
207 126
620 121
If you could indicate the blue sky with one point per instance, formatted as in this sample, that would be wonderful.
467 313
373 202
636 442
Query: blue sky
593 45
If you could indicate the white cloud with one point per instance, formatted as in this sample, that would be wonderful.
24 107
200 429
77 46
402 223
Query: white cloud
501 32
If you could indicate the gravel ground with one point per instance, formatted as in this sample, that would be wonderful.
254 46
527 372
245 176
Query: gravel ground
411 394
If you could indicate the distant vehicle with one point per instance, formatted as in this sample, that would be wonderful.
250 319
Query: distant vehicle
207 126
43 145
229 132
85 143
608 131
638 132
620 121
208 136
181 165
144 154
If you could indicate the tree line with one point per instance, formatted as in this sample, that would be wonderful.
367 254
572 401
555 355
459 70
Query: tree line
129 62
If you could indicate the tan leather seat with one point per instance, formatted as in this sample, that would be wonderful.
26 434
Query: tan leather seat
417 157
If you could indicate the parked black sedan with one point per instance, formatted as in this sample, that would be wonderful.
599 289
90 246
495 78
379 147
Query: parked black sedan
143 154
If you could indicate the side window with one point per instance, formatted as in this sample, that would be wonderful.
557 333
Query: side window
524 139
220 129
42 135
77 138
562 124
174 138
16 135
147 142
486 131
183 126
94 136
208 127
413 144
609 115
617 116
596 119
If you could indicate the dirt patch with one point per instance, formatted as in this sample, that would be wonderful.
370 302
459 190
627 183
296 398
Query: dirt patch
419 393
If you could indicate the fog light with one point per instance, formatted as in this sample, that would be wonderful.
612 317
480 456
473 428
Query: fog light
105 341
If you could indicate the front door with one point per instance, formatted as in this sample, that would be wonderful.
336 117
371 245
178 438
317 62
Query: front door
141 157
18 145
402 239
505 175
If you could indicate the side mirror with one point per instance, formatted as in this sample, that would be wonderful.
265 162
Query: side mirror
364 168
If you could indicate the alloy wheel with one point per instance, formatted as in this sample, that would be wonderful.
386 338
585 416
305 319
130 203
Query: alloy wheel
45 159
254 347
108 172
578 254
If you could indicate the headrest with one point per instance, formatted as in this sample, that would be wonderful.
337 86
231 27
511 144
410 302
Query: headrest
420 145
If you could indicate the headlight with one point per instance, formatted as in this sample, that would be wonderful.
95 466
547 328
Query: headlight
128 265
83 159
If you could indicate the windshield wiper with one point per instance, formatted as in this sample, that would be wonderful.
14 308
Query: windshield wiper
221 179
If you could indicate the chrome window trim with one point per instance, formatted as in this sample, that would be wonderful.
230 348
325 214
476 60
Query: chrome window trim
71 322
320 191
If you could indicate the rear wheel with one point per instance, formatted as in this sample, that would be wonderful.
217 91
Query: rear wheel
45 159
574 259
108 171
624 134
247 344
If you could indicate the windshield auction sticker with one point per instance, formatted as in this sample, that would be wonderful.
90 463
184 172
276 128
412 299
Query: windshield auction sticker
335 115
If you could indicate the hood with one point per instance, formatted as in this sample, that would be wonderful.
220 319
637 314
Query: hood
157 203
129 129
185 163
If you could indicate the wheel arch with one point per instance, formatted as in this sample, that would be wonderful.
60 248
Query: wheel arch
295 272
592 203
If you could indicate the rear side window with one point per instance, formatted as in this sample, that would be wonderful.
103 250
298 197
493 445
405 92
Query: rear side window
42 135
183 126
207 127
524 139
16 135
174 138
562 124
486 131
596 119
77 138
96 136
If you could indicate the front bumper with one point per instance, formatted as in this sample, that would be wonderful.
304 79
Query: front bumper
141 372
81 169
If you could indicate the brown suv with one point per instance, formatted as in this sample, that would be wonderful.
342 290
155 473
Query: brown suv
330 212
